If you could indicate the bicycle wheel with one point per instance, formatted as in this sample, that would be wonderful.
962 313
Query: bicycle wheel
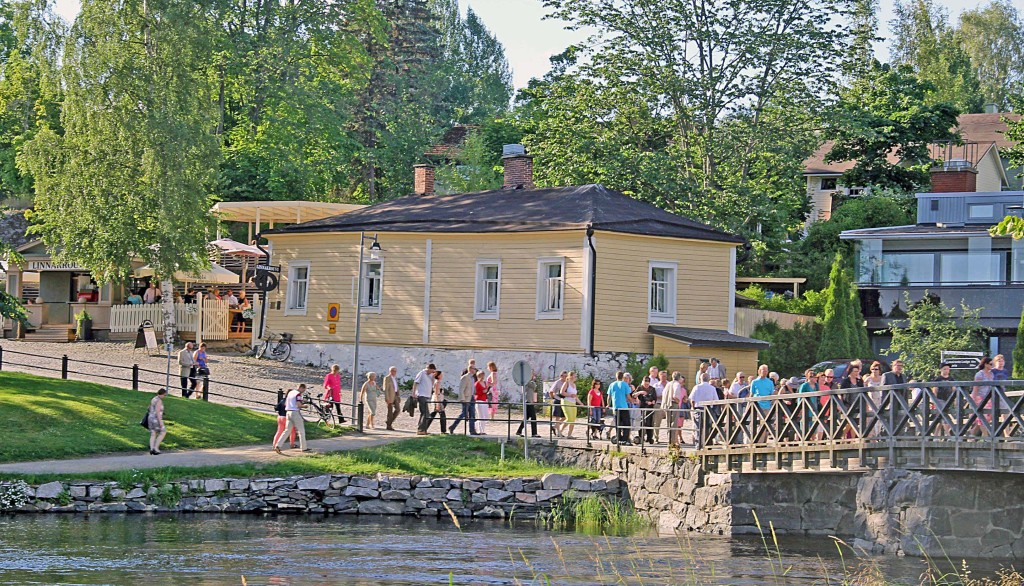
309 410
262 350
283 351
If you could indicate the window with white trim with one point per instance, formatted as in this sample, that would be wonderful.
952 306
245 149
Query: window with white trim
298 289
373 273
661 292
488 289
550 287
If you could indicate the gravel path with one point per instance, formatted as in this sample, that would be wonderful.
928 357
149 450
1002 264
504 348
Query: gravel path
199 458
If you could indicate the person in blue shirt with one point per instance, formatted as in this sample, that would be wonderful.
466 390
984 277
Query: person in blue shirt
618 397
762 387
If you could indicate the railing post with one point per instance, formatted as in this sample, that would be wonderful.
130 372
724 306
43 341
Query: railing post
135 377
64 367
280 396
1 358
206 387
359 416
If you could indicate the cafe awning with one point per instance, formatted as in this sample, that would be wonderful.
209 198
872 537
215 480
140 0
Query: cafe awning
215 274
229 246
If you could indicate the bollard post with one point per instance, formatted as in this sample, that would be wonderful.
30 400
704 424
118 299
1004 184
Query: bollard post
1 358
206 388
359 416
135 377
64 367
280 396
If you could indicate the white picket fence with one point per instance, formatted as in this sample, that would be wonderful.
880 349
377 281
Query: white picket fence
216 320
128 318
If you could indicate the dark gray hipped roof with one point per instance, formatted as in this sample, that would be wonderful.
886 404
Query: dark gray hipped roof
711 338
517 210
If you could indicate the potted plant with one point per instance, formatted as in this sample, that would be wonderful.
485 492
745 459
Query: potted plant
84 330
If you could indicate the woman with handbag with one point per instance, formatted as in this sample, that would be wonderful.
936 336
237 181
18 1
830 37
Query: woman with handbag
332 390
157 429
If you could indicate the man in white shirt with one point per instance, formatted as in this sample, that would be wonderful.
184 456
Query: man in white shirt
423 389
674 394
716 369
701 393
149 297
292 405
391 396
232 300
466 398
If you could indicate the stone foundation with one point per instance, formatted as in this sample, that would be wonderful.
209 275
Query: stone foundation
894 511
325 494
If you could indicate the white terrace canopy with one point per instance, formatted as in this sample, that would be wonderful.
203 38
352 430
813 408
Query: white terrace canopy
257 213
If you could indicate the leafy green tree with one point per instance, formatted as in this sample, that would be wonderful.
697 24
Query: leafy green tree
810 303
864 28
924 41
993 36
930 328
813 254
131 175
792 350
885 122
1013 225
473 171
1018 351
844 333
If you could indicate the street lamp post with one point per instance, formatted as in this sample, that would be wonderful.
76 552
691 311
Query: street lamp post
374 249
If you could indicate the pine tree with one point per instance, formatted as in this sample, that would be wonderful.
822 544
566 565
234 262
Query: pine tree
1018 351
844 335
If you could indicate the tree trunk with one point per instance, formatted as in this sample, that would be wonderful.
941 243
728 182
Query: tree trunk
167 308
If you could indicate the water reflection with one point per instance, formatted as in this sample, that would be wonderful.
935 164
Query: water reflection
112 549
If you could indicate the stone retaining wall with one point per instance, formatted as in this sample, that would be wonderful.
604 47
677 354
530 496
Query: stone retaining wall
894 511
325 494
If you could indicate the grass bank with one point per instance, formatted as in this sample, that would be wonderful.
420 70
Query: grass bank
44 418
437 456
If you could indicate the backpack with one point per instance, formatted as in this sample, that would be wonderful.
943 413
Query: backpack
280 408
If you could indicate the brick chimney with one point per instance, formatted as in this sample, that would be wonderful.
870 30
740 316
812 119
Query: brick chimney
423 179
954 177
518 167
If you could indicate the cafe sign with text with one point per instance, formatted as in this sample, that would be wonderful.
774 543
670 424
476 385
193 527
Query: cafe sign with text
47 265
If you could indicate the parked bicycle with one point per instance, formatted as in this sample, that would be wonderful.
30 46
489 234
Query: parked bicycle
320 410
275 346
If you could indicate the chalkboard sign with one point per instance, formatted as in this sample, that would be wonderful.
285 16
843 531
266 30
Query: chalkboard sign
146 336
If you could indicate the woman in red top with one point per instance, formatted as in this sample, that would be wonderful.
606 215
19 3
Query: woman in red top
332 389
595 400
480 395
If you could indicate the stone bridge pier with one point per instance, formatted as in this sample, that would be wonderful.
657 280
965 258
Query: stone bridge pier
888 510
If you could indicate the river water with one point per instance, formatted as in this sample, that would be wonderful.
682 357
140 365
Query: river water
221 549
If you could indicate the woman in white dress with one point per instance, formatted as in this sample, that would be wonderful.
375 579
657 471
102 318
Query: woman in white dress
570 399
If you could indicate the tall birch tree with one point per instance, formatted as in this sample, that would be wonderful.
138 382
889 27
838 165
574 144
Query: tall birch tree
130 176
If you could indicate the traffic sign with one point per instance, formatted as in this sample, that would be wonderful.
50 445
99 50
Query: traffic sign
521 372
269 268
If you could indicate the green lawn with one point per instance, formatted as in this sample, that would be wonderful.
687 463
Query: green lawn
45 418
437 456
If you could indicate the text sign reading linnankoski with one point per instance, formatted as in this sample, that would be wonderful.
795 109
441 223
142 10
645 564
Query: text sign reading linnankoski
269 268
46 265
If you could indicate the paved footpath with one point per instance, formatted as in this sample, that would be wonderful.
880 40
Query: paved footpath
261 454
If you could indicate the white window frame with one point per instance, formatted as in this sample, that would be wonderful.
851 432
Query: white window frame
478 290
290 307
671 292
366 283
542 287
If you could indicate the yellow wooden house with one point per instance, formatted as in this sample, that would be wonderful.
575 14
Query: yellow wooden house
565 278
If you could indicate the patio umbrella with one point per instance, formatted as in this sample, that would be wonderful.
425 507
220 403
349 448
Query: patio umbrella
229 246
215 274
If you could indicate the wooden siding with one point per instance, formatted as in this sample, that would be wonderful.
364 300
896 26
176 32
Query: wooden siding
702 287
990 172
333 259
686 359
747 318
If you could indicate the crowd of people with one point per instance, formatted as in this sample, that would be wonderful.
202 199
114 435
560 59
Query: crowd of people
651 410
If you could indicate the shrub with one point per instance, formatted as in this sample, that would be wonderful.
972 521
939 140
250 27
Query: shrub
811 303
791 350
639 369
14 495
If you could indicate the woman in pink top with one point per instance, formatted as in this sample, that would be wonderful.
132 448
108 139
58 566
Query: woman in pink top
492 387
332 389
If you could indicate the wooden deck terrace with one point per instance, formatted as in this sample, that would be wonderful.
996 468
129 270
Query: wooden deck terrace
955 426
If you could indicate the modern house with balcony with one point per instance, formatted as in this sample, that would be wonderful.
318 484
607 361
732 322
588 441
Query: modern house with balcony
949 255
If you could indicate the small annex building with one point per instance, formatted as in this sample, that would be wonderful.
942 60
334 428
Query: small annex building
566 278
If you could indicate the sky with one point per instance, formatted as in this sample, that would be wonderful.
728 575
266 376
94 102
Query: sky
530 40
